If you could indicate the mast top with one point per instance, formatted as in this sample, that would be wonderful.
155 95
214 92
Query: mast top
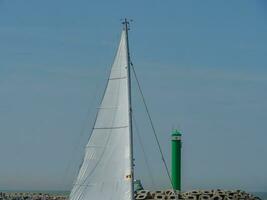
126 24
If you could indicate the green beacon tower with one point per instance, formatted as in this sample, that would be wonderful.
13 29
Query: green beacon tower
176 159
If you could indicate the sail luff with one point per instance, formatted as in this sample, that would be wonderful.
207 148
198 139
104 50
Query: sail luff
126 23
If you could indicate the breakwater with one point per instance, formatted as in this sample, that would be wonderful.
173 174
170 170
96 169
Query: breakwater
31 196
194 195
145 195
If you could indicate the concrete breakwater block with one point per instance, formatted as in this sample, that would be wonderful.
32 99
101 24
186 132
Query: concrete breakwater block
169 192
194 192
216 197
157 193
207 192
160 196
219 193
175 197
144 194
140 197
191 197
204 197
173 193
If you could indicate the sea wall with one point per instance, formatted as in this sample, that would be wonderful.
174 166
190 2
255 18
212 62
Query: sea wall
145 195
30 196
194 195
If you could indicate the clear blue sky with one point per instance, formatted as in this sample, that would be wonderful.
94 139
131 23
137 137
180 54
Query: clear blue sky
202 65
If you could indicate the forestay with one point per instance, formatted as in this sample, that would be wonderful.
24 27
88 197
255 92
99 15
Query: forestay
105 173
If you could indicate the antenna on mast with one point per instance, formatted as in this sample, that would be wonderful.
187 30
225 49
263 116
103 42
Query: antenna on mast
126 23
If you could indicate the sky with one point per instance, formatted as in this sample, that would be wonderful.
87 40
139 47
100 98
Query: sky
202 66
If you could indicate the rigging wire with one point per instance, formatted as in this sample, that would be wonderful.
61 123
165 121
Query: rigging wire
152 126
143 151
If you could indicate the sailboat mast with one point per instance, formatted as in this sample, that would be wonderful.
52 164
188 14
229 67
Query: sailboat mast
126 28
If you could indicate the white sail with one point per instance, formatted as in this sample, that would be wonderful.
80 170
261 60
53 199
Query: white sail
106 171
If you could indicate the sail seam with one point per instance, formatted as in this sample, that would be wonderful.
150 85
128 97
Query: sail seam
118 127
87 185
94 146
116 78
115 107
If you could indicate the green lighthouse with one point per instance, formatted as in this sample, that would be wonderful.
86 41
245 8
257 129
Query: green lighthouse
176 159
